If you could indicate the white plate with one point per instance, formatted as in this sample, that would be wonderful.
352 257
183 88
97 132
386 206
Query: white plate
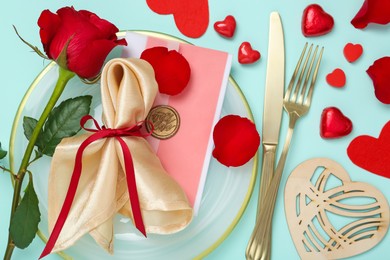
226 194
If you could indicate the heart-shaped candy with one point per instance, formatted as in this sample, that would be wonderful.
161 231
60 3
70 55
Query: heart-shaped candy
352 52
191 17
226 27
315 21
329 215
372 154
246 54
336 78
334 124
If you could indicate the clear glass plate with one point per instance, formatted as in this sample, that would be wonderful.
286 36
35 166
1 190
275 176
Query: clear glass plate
226 194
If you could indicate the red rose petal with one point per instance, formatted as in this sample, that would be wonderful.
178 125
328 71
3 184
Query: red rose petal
171 69
236 140
379 72
372 11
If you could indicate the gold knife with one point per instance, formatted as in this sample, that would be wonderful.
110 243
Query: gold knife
273 103
272 116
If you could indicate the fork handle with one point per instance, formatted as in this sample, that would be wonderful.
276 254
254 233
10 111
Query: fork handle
263 227
267 172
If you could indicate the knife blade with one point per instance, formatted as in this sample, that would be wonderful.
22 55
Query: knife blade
273 103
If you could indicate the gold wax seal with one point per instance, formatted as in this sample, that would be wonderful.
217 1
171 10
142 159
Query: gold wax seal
165 120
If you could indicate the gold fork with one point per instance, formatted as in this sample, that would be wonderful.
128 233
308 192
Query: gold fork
296 102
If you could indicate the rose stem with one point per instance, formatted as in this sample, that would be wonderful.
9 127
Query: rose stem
63 78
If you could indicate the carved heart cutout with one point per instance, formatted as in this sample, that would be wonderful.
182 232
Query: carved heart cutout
372 154
191 17
330 216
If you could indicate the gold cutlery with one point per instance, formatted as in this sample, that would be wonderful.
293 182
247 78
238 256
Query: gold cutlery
296 102
273 106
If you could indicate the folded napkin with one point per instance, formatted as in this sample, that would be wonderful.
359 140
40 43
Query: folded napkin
128 91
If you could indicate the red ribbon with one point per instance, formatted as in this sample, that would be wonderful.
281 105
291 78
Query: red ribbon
99 133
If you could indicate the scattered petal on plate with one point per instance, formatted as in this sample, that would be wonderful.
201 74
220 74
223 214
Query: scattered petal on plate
315 21
171 69
372 11
247 55
236 140
372 154
352 52
379 72
226 27
334 124
336 78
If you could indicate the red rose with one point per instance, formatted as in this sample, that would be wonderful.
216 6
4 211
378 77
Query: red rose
90 39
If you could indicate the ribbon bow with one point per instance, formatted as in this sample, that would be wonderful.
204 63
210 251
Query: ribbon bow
99 133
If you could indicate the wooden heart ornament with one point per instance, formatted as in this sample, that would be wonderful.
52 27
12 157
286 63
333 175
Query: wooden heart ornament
329 215
191 17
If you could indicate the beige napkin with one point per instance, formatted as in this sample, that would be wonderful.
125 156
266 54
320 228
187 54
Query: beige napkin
128 90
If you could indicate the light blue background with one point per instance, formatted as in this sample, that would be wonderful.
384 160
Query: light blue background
19 66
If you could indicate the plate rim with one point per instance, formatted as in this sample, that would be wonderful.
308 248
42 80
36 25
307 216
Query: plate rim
252 182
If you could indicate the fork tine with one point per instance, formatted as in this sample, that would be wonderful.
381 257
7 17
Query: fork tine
292 81
309 72
313 80
298 85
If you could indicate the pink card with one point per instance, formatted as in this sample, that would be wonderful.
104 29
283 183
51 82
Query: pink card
186 155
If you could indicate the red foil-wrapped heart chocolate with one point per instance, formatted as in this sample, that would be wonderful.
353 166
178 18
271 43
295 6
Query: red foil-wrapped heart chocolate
334 124
315 21
247 55
226 27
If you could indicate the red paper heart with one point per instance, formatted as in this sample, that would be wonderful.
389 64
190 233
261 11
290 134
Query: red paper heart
226 27
372 154
315 21
246 54
191 17
352 52
336 78
334 124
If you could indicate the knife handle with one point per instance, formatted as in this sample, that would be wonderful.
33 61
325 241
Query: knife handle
267 172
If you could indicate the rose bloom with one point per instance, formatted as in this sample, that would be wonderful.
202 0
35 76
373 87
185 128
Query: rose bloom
90 39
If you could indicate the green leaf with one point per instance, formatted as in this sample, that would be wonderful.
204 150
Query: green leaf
2 153
24 223
64 121
29 125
